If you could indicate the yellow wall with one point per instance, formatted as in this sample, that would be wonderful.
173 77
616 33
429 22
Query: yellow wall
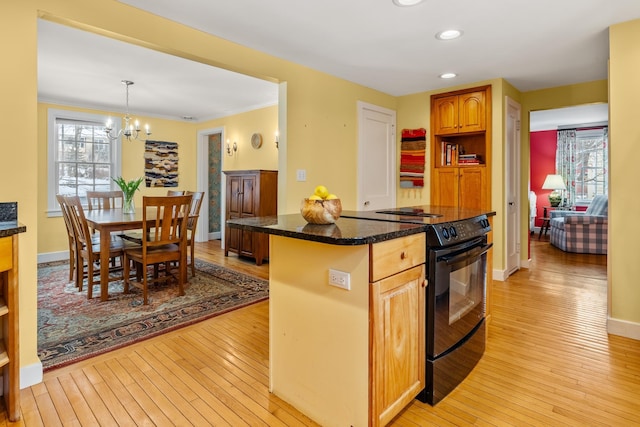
239 128
624 142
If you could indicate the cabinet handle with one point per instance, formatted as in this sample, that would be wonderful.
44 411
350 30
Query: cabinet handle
403 255
424 283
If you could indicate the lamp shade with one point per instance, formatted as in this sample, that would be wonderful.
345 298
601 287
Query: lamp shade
554 182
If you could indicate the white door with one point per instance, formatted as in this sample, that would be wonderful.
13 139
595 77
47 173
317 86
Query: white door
512 186
376 157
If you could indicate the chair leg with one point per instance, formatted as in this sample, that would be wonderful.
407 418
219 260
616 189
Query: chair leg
145 285
126 265
193 261
89 279
72 262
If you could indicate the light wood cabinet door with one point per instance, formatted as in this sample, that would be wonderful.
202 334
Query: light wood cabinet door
445 111
444 188
460 186
471 112
398 343
472 188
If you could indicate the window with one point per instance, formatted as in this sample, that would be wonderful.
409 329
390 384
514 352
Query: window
81 157
582 160
591 164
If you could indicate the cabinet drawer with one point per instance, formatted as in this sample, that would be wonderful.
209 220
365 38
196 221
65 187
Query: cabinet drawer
394 256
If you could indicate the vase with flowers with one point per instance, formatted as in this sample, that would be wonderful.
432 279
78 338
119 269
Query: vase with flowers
128 190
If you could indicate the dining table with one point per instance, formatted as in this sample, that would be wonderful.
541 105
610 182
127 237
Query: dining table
108 221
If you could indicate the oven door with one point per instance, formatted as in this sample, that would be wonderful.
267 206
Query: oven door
457 286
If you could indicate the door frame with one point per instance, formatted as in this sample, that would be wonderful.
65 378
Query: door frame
202 183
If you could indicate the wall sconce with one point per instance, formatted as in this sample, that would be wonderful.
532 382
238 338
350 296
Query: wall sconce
277 138
231 150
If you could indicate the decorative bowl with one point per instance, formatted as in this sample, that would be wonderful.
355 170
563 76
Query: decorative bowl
321 211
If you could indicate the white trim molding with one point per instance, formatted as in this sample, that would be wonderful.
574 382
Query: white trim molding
623 328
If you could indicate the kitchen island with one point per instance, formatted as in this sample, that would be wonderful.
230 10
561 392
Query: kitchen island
345 357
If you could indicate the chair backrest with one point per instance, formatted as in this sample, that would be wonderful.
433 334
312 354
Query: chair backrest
104 199
175 193
65 216
194 211
599 206
165 215
77 218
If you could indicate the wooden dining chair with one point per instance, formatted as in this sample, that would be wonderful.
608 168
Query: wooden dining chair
105 199
192 223
167 243
175 192
88 248
73 249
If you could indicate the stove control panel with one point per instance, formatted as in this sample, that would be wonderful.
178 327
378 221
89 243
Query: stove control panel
449 233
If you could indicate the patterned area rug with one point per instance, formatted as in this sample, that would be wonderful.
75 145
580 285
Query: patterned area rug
72 328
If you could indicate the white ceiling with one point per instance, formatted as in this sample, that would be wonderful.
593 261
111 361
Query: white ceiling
533 45
570 116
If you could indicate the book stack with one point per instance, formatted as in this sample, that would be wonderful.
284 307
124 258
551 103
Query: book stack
468 159
449 154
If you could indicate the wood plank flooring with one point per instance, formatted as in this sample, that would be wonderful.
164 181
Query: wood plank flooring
549 361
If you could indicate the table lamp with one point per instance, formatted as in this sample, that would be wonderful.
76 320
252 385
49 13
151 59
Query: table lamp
555 183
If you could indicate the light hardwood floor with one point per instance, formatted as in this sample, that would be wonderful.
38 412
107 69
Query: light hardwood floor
549 361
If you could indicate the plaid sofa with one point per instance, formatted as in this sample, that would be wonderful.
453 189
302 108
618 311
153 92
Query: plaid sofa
581 232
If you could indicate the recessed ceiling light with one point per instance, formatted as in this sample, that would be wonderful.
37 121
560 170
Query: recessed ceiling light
403 3
448 75
449 34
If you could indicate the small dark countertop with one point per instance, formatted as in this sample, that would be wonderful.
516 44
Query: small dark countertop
9 228
9 224
346 231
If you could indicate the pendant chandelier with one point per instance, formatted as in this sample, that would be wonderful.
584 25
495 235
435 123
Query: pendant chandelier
130 130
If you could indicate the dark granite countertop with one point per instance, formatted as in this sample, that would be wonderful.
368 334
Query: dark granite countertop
9 228
346 231
9 224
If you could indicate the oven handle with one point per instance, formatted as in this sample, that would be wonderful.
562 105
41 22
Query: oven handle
471 253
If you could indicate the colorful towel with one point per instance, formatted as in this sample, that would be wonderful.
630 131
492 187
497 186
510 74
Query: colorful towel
412 154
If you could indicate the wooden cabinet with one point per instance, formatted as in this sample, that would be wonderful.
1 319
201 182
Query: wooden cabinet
460 113
461 148
397 326
9 347
460 186
250 193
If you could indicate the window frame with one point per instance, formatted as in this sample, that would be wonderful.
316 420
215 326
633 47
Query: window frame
53 115
593 134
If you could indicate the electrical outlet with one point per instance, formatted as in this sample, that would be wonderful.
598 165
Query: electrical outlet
301 174
340 279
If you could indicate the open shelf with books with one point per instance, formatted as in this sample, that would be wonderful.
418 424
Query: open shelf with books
461 150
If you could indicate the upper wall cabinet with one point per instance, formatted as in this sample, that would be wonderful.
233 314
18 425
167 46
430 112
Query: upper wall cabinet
459 113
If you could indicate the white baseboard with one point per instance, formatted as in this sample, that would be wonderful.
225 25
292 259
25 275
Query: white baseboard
216 235
623 328
31 375
53 256
500 275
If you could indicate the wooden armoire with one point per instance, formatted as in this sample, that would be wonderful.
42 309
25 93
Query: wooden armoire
250 193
